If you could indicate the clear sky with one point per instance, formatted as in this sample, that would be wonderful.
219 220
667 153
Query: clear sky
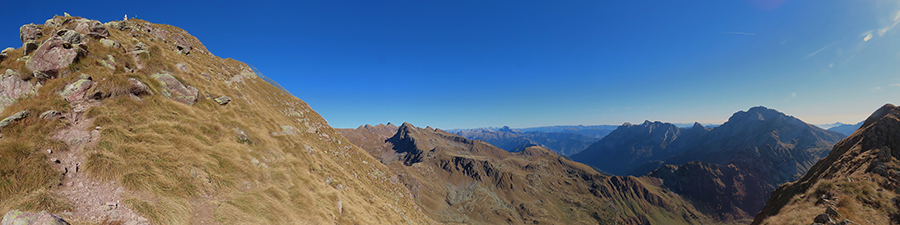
464 64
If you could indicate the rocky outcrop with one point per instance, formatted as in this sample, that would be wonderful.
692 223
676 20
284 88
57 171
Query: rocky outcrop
136 87
51 115
71 36
222 100
12 87
76 91
51 57
93 28
15 117
181 44
5 53
16 217
29 32
174 89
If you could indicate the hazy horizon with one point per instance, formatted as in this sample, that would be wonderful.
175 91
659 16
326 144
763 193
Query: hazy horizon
467 64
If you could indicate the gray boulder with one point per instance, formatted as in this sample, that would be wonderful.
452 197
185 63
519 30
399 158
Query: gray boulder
71 36
12 87
29 32
137 87
109 43
93 28
15 117
174 89
55 54
16 217
77 90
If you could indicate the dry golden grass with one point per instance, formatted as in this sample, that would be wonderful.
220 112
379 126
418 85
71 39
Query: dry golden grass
169 156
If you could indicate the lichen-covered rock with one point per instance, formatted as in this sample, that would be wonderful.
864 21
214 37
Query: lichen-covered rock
174 89
51 115
12 87
109 62
160 33
29 32
248 73
115 25
93 28
71 37
137 87
51 57
15 117
16 217
222 100
288 130
77 90
109 43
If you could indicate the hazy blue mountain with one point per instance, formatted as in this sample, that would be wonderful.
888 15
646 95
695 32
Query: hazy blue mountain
846 129
508 139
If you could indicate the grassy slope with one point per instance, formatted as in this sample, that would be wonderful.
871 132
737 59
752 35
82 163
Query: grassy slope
172 157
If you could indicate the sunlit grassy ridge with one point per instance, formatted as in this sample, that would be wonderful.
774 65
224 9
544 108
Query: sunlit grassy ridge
175 159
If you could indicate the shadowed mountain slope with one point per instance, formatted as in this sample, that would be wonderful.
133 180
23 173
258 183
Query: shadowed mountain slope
456 180
857 181
137 123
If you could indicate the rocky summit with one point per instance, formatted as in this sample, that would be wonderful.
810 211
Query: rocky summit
131 122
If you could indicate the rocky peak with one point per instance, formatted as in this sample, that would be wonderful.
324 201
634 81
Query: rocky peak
506 129
697 125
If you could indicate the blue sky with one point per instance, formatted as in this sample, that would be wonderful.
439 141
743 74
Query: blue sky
463 64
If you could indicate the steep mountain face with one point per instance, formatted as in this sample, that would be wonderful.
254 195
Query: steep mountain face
131 122
506 138
847 129
857 181
725 192
631 146
456 180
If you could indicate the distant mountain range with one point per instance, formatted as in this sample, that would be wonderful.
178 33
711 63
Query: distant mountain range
457 180
741 160
846 129
857 183
509 139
